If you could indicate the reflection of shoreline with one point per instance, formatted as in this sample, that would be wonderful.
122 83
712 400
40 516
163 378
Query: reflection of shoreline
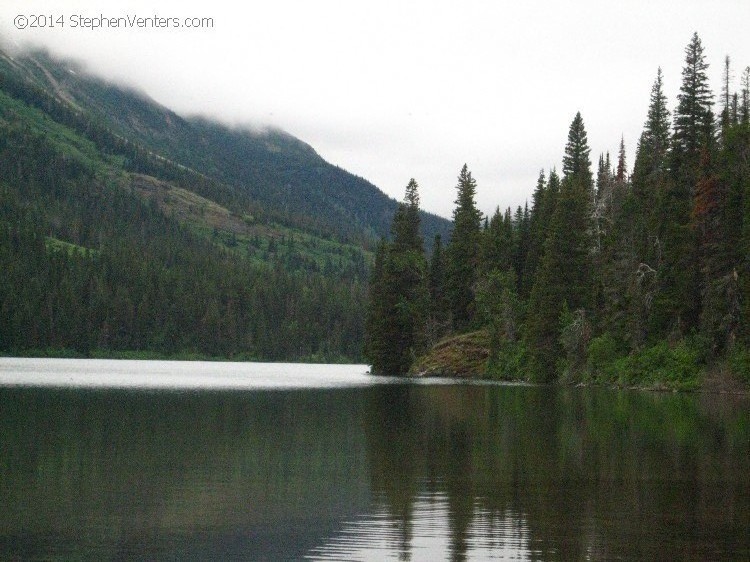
451 467
591 471
102 469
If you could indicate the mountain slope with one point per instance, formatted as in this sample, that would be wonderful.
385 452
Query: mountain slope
96 259
272 171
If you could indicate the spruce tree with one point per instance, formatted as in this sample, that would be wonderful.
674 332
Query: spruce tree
399 299
615 261
676 307
622 167
726 118
576 163
439 314
521 232
651 154
650 184
463 253
564 277
497 244
719 218
693 118
405 228
537 229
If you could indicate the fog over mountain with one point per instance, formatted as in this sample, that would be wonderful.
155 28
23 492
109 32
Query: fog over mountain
396 90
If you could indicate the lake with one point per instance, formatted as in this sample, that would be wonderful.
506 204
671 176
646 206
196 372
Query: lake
159 460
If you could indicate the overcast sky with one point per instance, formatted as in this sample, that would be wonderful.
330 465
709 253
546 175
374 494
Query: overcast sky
391 90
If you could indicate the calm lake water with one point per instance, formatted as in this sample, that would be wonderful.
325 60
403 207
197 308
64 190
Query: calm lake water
154 460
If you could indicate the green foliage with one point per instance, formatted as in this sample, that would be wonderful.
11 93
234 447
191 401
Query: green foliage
564 276
576 161
602 352
663 365
276 175
544 200
439 315
399 300
462 255
575 334
125 229
739 363
509 362
641 282
91 265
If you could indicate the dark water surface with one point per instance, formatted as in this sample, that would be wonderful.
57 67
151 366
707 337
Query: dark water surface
334 467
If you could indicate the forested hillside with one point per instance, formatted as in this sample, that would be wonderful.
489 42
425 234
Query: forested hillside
281 177
629 276
125 228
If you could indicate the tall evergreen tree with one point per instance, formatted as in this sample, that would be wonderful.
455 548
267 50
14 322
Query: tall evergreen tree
576 163
650 183
622 167
651 154
405 228
379 318
726 117
521 232
564 277
719 217
744 112
615 262
463 253
399 297
693 118
537 228
677 304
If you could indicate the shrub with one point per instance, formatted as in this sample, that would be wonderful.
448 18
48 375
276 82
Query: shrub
739 363
600 357
510 363
662 365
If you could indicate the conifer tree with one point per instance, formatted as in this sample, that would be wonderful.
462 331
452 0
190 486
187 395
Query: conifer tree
744 112
564 277
463 253
615 262
405 228
576 163
650 184
621 175
719 218
439 314
521 232
651 154
399 298
537 228
726 117
677 304
497 244
693 118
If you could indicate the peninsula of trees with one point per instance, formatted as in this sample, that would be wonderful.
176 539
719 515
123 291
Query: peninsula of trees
638 278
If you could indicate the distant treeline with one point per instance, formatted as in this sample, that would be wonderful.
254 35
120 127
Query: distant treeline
86 265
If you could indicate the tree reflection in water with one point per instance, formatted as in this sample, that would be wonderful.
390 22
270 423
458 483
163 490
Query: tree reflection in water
397 471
